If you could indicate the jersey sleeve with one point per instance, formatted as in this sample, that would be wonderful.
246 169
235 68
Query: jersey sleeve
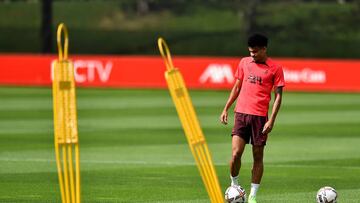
279 80
239 74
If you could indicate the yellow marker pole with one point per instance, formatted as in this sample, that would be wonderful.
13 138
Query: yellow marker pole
191 126
65 122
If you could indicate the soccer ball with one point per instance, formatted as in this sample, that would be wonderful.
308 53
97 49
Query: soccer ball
326 195
235 194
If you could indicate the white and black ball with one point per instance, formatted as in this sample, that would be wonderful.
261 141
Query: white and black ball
235 194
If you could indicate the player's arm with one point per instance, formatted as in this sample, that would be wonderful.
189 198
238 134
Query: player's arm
277 103
233 96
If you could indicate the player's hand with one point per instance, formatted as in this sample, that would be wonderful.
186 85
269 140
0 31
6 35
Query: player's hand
268 127
224 117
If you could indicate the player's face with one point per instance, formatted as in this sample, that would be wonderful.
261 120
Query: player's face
258 53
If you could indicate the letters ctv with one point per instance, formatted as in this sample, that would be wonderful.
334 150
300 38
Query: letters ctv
90 71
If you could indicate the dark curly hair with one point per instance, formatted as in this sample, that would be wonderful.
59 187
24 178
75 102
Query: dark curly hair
257 40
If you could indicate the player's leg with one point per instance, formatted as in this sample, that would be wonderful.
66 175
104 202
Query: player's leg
238 146
240 137
257 171
258 165
258 142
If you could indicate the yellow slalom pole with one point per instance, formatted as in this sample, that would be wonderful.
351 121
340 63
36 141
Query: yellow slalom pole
61 178
191 126
66 174
65 122
77 174
71 173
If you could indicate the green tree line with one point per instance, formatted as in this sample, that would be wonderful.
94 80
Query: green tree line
313 28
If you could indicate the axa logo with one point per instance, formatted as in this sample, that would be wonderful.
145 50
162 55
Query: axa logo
217 74
90 70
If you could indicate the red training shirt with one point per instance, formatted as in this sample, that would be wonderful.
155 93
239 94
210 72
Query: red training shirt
258 80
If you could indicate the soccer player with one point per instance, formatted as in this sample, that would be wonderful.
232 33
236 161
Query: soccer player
256 77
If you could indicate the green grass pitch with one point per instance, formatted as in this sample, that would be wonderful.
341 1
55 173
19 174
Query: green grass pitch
133 149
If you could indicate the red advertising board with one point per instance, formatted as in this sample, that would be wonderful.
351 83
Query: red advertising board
198 72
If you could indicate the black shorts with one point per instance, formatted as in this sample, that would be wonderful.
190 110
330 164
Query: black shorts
249 127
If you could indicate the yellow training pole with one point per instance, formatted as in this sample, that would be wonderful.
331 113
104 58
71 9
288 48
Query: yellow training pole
65 122
191 126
